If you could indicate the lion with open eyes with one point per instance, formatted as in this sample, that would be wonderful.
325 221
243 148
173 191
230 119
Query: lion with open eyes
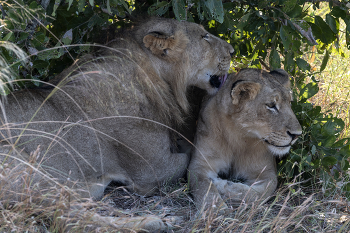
110 114
240 131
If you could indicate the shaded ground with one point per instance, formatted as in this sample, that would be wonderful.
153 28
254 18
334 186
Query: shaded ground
292 209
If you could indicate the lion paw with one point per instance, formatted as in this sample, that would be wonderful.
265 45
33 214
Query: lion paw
149 223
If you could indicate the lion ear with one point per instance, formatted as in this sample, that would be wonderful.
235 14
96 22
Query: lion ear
244 90
282 77
166 45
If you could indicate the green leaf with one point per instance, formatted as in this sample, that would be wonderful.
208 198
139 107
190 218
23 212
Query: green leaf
296 12
341 143
9 37
158 8
94 20
313 150
49 54
329 161
40 37
113 3
36 81
263 3
244 21
228 24
322 31
67 37
324 61
23 36
309 90
179 9
346 187
288 5
338 12
345 165
81 5
329 141
41 66
33 5
118 7
91 2
347 33
126 7
345 151
109 7
200 12
285 34
275 61
69 4
289 63
302 64
55 6
8 23
215 9
333 126
13 15
333 23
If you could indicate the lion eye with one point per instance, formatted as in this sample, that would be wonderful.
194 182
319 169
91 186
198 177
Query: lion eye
206 36
272 106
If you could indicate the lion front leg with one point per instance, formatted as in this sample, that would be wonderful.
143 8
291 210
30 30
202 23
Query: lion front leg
204 191
148 223
238 192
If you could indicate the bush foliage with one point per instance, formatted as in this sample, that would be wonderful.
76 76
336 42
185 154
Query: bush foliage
41 38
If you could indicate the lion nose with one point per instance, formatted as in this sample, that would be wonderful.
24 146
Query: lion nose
293 135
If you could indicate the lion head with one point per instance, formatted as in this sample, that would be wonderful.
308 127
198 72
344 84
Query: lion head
165 57
161 58
187 50
260 106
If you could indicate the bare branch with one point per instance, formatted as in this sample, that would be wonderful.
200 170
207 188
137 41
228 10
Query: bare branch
307 34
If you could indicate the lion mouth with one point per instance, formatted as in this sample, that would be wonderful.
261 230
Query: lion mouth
272 144
217 81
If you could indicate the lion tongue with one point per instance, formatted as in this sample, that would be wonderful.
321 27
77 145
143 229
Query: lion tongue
222 80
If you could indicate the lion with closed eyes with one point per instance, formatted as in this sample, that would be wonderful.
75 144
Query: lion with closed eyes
109 116
240 132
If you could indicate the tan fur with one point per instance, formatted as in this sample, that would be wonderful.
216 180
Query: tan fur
107 118
236 132
166 46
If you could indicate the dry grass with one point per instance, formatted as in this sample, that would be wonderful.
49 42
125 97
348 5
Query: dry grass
334 82
333 96
293 208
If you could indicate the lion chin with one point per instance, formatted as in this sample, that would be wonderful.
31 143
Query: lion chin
279 150
109 117
240 132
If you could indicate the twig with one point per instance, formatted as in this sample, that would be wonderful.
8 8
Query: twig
264 64
307 34
3 12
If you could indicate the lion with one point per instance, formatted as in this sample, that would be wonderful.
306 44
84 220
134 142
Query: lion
240 132
111 115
